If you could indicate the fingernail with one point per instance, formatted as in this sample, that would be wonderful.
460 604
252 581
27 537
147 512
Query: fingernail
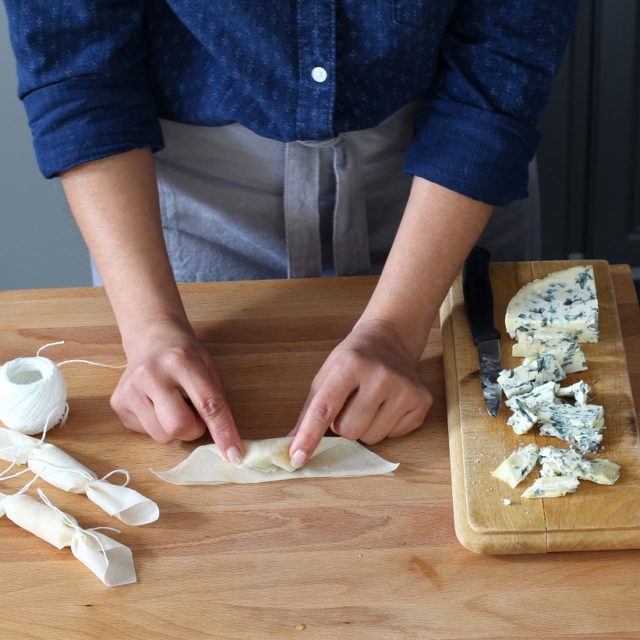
233 455
298 459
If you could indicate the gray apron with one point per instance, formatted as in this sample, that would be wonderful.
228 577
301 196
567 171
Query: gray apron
238 206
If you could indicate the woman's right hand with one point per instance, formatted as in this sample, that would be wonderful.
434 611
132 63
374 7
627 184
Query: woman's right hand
171 390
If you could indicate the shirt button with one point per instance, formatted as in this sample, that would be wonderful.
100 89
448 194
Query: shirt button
319 74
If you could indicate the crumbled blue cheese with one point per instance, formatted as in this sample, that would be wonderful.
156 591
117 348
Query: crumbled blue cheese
579 391
561 345
564 301
517 466
551 487
567 462
524 378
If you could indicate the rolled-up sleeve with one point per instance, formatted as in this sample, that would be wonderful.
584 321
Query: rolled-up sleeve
83 78
476 134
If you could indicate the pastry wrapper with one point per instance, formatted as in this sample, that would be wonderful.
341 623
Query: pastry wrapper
61 470
109 560
268 461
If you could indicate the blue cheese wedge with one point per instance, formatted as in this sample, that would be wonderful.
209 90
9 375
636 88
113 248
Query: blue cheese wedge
561 345
517 466
523 379
564 301
579 392
567 462
551 487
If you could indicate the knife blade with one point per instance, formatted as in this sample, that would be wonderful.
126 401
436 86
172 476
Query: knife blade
478 300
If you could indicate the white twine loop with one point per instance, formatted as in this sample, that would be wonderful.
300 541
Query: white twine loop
95 364
13 475
75 526
124 472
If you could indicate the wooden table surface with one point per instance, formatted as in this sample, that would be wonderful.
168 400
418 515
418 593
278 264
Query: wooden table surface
334 558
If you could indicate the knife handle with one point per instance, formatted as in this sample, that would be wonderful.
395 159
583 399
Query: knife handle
478 297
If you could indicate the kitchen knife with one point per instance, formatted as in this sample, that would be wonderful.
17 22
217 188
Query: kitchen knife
478 300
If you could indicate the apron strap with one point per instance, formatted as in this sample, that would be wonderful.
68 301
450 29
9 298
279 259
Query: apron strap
302 216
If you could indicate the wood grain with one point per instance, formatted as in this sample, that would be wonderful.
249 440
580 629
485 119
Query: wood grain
373 558
595 517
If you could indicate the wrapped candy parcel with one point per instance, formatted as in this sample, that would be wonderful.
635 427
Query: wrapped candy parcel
59 469
111 561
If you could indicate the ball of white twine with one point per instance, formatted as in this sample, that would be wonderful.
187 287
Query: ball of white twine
33 395
33 392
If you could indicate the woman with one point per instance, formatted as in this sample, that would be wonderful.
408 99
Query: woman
281 131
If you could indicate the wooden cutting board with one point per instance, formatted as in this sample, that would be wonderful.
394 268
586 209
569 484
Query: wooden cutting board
596 516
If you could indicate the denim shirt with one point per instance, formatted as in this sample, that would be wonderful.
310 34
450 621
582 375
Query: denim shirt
95 76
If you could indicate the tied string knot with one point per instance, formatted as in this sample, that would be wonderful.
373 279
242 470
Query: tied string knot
20 448
78 530
88 475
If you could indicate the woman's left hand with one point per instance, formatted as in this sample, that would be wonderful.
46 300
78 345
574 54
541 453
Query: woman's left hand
368 389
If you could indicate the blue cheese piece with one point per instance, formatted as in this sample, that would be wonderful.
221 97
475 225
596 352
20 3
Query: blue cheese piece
579 392
567 462
525 406
579 425
565 301
584 439
539 396
517 466
561 345
551 487
573 415
601 471
523 379
523 418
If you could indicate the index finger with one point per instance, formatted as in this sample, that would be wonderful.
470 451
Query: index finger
210 402
322 410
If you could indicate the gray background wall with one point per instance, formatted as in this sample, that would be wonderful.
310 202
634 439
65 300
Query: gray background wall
40 246
589 161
